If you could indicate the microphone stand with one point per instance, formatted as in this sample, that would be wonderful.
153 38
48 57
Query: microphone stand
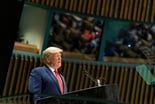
97 81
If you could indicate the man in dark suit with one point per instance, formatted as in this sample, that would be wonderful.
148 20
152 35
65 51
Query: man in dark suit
46 80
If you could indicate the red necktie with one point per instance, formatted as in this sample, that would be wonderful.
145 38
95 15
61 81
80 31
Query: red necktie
59 80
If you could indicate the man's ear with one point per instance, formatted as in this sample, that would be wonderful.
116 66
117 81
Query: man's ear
48 59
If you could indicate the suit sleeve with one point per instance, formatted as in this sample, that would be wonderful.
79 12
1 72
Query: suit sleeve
35 82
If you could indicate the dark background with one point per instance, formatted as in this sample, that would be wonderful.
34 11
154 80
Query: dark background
10 17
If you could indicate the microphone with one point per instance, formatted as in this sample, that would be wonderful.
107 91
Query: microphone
102 78
89 76
97 82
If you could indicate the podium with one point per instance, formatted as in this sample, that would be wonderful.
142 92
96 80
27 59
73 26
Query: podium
105 94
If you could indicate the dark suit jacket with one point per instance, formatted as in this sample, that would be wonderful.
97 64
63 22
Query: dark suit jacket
43 81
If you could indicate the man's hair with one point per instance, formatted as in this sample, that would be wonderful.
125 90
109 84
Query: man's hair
50 50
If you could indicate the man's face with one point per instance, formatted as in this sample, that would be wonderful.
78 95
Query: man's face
54 60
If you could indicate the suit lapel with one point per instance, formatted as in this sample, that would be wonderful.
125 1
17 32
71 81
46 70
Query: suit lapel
52 76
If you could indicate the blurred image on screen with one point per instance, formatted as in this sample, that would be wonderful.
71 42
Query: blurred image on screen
130 42
76 34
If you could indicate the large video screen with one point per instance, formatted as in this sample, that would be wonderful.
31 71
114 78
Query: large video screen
78 35
129 40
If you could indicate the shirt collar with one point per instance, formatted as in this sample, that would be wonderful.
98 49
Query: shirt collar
52 69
